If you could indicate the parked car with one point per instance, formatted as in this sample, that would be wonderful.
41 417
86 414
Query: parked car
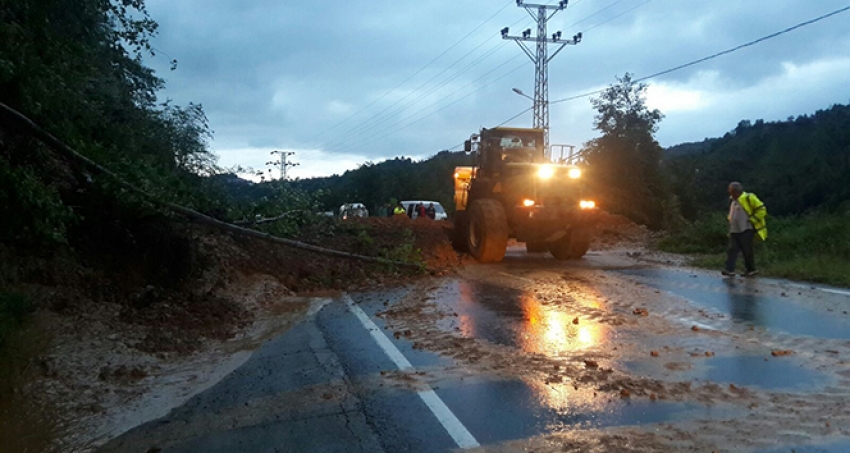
440 211
351 210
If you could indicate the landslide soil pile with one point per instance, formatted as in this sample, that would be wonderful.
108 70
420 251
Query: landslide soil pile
127 301
429 239
616 231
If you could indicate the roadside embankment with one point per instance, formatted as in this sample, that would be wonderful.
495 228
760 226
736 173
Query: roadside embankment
133 328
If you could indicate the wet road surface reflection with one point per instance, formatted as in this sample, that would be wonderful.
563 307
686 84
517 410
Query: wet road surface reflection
497 409
509 410
744 371
516 318
739 299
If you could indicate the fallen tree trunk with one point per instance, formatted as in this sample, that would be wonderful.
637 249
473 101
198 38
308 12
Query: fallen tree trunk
268 220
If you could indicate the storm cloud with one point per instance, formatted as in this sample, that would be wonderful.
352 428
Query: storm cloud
290 75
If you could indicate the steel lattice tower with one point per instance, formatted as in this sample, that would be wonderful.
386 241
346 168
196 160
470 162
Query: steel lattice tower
541 14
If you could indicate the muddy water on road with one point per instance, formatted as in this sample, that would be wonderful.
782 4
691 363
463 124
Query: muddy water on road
517 318
744 301
605 344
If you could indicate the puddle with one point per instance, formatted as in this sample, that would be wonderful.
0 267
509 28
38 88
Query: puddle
785 373
507 410
740 302
837 447
515 318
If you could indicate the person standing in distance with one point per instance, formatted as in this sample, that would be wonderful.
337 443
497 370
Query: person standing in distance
746 223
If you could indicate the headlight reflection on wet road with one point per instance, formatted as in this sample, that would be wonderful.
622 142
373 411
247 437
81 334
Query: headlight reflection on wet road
518 318
551 330
565 399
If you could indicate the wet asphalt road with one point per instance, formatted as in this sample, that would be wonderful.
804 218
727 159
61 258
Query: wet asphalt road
347 379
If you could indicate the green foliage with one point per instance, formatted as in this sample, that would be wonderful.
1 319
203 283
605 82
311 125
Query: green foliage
14 309
794 166
813 247
32 213
244 200
705 235
77 72
406 251
624 162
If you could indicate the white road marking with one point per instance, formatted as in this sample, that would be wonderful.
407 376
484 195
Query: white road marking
462 437
835 291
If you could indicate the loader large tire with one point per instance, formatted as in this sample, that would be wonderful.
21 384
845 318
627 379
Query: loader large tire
573 246
487 233
460 240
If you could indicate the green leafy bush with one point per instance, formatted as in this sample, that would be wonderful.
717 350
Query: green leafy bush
32 213
706 235
813 247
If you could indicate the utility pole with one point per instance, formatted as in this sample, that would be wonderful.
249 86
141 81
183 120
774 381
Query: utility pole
282 162
541 14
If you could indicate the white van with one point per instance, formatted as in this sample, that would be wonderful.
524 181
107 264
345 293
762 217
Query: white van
440 211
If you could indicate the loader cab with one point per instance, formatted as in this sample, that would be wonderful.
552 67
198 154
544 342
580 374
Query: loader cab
500 146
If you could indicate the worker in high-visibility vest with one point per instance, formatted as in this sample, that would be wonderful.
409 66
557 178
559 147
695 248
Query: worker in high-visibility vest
399 210
747 221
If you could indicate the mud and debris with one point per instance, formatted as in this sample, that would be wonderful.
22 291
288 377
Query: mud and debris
585 335
454 319
128 342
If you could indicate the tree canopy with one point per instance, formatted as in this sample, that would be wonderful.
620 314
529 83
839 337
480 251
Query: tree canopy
625 159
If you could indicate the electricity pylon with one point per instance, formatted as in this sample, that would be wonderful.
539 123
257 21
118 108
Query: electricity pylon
541 14
282 162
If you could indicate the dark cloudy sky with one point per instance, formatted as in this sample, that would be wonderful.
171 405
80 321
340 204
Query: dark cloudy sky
289 74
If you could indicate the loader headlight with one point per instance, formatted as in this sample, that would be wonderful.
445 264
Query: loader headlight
587 204
546 172
574 173
528 203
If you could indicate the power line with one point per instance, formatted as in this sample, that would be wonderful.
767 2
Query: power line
702 60
393 130
751 43
597 12
412 75
617 16
514 117
363 126
361 129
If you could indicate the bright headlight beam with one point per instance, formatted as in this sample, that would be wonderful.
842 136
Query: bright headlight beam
528 203
574 173
546 172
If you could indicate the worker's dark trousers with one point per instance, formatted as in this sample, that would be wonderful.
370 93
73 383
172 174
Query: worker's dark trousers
741 242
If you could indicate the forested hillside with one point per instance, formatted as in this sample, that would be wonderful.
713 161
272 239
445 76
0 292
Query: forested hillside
400 179
796 165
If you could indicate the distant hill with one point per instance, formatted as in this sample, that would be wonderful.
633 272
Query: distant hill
685 149
796 165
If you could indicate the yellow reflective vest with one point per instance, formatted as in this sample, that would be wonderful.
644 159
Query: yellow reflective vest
756 211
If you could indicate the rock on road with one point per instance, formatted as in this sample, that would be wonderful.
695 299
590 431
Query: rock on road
605 354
